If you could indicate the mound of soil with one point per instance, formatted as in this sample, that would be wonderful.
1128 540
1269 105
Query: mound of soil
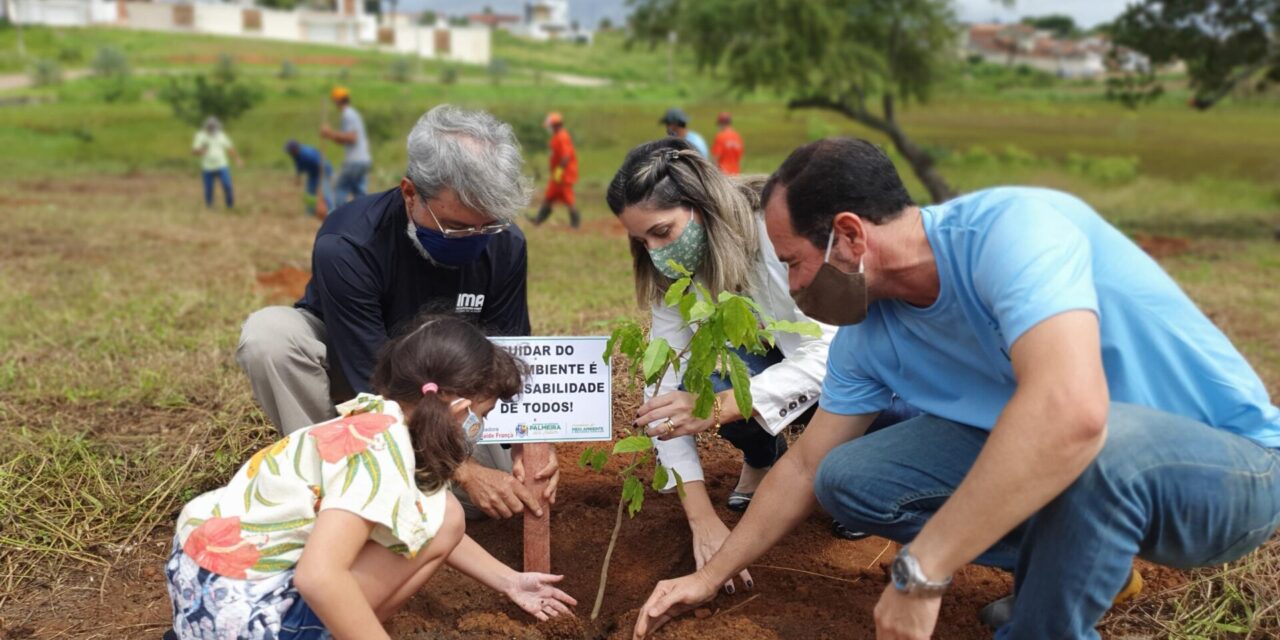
1158 246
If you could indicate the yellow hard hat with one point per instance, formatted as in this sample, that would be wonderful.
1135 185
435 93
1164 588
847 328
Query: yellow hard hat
339 93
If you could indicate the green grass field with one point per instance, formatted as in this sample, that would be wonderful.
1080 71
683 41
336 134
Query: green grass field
122 297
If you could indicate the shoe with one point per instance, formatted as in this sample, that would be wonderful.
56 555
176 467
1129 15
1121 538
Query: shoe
170 635
844 533
739 501
999 613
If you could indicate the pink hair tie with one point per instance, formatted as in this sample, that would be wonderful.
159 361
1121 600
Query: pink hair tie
429 387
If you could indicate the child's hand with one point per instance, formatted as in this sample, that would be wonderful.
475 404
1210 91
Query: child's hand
533 593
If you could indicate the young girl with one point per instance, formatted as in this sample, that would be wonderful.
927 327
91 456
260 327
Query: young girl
327 532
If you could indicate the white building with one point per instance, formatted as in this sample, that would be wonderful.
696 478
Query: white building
347 24
548 20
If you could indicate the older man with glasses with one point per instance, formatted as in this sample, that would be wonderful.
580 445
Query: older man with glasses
443 240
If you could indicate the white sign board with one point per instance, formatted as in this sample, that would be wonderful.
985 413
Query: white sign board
567 396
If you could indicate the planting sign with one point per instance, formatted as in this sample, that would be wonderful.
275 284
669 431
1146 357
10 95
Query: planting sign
567 395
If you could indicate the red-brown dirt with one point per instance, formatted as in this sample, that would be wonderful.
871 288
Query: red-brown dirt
254 58
1158 246
285 284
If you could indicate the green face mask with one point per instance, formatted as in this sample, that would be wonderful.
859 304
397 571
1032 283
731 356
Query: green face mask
687 250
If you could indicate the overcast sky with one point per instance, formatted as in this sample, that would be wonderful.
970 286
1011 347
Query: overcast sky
1086 12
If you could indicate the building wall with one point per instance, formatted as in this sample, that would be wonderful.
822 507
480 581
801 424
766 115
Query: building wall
280 25
146 15
471 45
219 19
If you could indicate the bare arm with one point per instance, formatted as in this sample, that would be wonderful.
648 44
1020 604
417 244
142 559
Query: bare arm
325 580
1048 433
474 562
784 499
532 592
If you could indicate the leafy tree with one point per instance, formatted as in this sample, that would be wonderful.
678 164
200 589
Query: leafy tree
605 24
840 55
110 62
427 18
1223 42
194 99
284 5
45 72
1062 25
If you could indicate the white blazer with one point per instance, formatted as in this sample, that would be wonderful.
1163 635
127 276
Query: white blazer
781 393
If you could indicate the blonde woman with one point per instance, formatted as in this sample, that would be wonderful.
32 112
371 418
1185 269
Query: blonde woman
676 205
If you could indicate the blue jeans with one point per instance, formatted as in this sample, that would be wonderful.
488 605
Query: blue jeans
224 176
1164 488
351 182
760 449
320 179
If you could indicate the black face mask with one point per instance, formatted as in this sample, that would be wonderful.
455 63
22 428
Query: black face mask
834 297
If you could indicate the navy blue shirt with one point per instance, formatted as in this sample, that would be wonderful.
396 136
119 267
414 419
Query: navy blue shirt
308 159
367 279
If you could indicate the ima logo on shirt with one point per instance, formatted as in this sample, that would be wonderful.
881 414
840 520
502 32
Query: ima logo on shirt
470 302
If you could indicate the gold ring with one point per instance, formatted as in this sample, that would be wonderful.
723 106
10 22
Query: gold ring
671 426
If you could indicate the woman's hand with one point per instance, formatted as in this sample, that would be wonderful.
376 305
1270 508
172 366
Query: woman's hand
533 593
708 535
672 416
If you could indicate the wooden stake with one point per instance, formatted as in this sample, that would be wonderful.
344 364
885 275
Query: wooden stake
537 531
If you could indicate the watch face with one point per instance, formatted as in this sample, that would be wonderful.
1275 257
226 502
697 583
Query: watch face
901 575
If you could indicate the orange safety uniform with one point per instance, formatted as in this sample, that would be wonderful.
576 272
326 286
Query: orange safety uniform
561 148
727 150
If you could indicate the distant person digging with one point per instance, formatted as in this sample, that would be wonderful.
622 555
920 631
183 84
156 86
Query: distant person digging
353 175
443 241
1079 410
213 147
677 123
309 162
564 172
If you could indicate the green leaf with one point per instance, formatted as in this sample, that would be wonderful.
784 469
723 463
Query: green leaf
279 549
810 329
248 495
700 311
679 483
274 527
394 450
740 376
633 444
297 458
375 475
739 322
257 495
599 460
633 494
705 393
660 478
679 268
686 305
269 565
676 291
353 465
584 458
270 461
655 356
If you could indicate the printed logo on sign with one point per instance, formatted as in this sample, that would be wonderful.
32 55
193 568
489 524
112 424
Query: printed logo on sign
522 429
470 302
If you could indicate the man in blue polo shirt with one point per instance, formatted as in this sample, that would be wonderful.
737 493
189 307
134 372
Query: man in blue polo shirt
441 241
1079 410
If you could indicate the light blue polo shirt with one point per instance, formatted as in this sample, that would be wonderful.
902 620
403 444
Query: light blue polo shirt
1009 258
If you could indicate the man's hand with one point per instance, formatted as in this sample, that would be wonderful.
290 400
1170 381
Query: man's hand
708 535
326 131
670 599
497 494
551 471
903 617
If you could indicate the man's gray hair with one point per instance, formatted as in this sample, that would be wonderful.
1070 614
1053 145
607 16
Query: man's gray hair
474 154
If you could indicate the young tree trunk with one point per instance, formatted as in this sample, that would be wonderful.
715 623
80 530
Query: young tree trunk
608 555
921 162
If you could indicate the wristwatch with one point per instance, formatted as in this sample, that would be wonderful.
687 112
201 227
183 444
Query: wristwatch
909 579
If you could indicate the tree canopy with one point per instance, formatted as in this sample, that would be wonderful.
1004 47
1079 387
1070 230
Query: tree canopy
860 58
1223 42
1062 25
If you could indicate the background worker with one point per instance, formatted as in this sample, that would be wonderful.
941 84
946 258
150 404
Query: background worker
564 172
677 123
356 163
309 161
727 148
213 147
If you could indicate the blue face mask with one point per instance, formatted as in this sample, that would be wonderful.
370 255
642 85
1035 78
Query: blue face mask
453 252
472 426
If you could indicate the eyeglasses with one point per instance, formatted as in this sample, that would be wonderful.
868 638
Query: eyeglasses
467 232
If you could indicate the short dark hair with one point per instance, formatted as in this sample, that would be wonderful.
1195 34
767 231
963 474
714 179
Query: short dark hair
832 175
